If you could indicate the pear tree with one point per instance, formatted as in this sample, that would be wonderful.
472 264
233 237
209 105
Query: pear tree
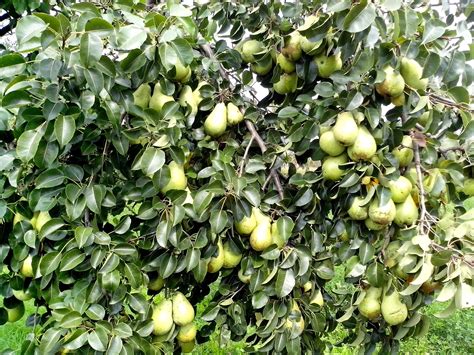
171 172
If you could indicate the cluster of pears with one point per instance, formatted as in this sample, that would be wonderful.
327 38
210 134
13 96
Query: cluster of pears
346 133
390 306
227 256
177 311
393 85
220 117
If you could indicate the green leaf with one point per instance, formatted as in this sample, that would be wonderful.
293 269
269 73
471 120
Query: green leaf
49 262
27 144
99 26
29 27
16 99
359 18
82 235
178 10
459 94
64 129
218 221
50 178
94 196
285 282
184 50
95 79
71 320
375 274
134 61
98 339
433 30
90 49
130 37
50 341
152 160
11 65
71 259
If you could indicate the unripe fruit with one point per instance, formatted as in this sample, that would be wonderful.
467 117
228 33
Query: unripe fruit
468 187
398 100
40 219
156 284
412 73
187 333
345 130
400 189
393 84
249 48
384 214
330 145
244 278
317 298
262 68
27 267
183 311
331 169
296 324
373 226
292 49
328 65
183 73
356 211
287 83
15 313
370 305
232 256
234 115
261 237
178 180
246 225
404 153
364 147
285 64
308 46
216 123
188 347
407 212
393 310
162 317
158 100
141 96
217 262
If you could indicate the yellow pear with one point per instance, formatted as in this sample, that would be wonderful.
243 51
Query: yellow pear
393 84
246 225
260 217
178 180
187 333
141 96
22 295
330 145
345 130
393 310
407 212
249 49
232 256
356 211
412 73
158 100
244 278
331 169
197 92
18 218
364 147
317 298
285 64
27 267
370 305
295 324
392 253
328 65
276 236
183 311
156 284
187 98
374 226
40 219
162 317
398 100
404 153
183 73
400 189
216 262
287 83
216 123
384 214
292 49
261 237
234 115
186 348
468 187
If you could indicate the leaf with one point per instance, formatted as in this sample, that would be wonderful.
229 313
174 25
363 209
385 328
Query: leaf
71 259
134 61
16 99
130 37
27 144
90 49
11 65
98 339
49 341
359 18
99 26
218 221
375 274
433 30
152 160
50 178
82 235
285 282
64 129
49 262
178 10
94 196
71 320
95 80
29 27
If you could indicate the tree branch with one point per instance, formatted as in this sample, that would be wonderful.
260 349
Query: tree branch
439 99
416 151
4 30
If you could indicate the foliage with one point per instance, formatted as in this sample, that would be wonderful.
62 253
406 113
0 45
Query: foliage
109 189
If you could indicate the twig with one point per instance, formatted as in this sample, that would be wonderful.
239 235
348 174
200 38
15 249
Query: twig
451 149
242 163
210 54
439 99
422 219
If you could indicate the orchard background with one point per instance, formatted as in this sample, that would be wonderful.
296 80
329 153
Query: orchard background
281 176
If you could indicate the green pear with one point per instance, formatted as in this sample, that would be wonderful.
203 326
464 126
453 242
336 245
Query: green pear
328 65
188 347
400 189
330 145
246 225
331 169
345 130
22 295
407 212
232 256
187 98
308 46
216 123
370 305
393 310
217 262
287 83
15 313
162 317
40 219
158 100
412 73
197 92
358 212
393 84
285 64
27 267
295 324
404 153
141 96
234 115
260 217
392 253
156 284
292 49
178 180
262 68
364 147
183 73
244 278
249 49
384 214
183 311
424 118
398 100
468 187
261 237
187 333
374 226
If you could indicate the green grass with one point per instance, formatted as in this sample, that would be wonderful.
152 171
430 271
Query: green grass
13 334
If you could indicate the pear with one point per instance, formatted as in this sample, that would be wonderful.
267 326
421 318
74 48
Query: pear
244 278
232 256
260 217
262 68
330 145
370 305
178 180
18 218
407 212
261 237
285 64
393 84
156 284
183 311
296 324
141 96
22 295
249 48
183 73
364 147
345 130
317 298
216 262
158 100
197 92
234 115
307 286
276 236
286 84
468 187
398 100
400 189
392 253
404 153
16 312
187 97
331 169
424 118
356 211
393 310
40 219
162 317
412 73
188 347
292 49
187 333
328 65
373 226
246 225
384 214
27 267
216 123
308 46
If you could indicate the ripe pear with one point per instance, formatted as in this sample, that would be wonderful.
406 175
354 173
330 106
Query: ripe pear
232 256
27 267
292 49
398 100
407 212
330 145
356 211
249 48
400 189
216 262
276 236
216 123
262 68
317 298
364 147
183 73
345 130
285 64
178 180
141 96
373 226
260 217
370 305
188 347
158 100
187 97
308 46
331 169
261 237
328 65
244 278
246 225
183 311
412 73
234 115
187 333
384 214
40 219
156 284
404 153
162 317
393 310
288 83
296 324
393 84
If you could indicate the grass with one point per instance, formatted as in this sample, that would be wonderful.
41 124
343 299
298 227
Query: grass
12 335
